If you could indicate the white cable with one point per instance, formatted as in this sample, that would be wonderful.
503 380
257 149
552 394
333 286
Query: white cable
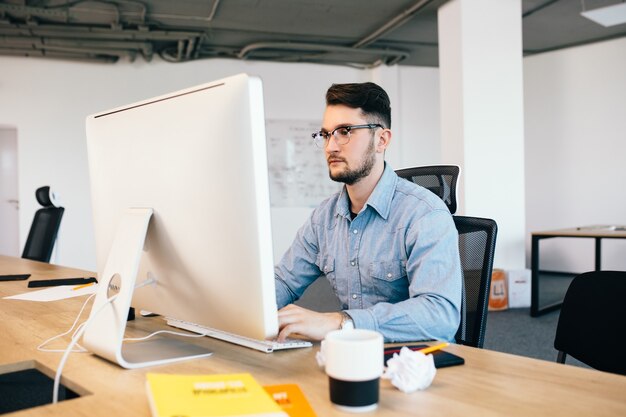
80 348
77 335
136 339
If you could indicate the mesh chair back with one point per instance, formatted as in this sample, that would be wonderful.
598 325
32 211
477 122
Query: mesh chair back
594 310
44 230
477 244
440 179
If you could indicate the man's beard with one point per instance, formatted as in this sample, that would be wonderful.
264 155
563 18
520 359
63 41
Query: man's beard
352 176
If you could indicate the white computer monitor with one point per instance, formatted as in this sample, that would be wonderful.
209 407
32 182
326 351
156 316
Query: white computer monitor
196 160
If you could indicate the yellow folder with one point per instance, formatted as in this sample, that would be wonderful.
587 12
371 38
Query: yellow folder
219 395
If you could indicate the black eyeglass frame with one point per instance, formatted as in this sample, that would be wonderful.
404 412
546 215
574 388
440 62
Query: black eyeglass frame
326 135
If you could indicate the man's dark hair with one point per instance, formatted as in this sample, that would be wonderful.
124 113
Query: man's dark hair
368 97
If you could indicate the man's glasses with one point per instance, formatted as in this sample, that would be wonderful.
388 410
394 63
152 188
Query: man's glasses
341 134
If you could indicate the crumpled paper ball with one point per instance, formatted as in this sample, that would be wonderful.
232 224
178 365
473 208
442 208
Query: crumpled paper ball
410 370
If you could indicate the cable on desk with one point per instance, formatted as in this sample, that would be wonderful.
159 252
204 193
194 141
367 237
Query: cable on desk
137 339
77 335
80 349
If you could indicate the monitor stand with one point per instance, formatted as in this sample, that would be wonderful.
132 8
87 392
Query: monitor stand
105 332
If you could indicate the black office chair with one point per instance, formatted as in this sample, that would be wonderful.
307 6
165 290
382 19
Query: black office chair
43 231
440 179
477 245
592 321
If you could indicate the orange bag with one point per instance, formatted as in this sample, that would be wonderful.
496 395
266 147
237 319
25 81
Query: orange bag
498 296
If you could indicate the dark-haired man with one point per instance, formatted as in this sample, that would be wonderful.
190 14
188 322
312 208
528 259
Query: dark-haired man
388 247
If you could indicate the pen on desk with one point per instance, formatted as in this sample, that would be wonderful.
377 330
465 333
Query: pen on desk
434 348
82 286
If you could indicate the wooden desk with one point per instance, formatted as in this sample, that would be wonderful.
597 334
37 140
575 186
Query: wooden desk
489 384
595 232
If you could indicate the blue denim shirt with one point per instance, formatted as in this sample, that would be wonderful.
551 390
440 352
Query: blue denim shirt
395 267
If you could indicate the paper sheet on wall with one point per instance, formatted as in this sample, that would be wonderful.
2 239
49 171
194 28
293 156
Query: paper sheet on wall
54 293
298 172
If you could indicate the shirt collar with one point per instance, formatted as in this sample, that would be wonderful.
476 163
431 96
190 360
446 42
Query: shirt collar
379 200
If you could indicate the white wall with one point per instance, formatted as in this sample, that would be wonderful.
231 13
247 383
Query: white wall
575 106
47 102
419 116
574 133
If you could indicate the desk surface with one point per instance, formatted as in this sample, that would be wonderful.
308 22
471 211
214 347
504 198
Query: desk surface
489 384
586 231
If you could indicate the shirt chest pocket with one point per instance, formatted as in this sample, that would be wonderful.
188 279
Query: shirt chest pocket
326 264
390 280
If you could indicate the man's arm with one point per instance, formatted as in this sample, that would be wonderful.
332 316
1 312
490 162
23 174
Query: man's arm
293 274
435 286
297 268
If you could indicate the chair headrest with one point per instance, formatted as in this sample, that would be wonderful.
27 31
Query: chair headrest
46 197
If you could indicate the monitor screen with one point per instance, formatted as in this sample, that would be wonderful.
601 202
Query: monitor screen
197 158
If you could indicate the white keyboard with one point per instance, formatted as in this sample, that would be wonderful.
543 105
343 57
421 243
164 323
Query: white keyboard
266 346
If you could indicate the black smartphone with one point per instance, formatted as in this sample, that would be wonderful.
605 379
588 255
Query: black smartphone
442 359
20 277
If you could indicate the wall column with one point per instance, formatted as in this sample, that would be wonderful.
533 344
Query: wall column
482 130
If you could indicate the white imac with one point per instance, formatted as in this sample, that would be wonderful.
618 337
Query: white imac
186 172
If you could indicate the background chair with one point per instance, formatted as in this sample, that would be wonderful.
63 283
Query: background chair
45 227
477 244
440 179
592 322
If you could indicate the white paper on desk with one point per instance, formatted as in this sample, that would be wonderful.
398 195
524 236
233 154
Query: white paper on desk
54 293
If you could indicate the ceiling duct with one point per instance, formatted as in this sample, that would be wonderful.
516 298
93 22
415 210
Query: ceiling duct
309 52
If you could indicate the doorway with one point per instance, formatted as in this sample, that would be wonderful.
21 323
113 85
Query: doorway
9 202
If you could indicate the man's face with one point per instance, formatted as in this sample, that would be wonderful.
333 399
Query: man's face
353 161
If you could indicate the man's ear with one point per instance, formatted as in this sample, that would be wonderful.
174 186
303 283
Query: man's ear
383 141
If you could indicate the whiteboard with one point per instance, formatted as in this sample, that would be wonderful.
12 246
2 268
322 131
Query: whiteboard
298 172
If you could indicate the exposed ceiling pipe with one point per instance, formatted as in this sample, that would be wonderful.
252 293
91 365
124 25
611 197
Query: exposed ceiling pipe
91 32
394 23
86 48
207 19
59 55
60 11
390 55
536 9
37 42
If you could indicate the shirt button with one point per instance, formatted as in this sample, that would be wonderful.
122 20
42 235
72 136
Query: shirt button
352 263
389 275
355 231
354 296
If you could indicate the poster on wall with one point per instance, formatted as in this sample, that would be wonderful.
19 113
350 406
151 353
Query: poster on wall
298 172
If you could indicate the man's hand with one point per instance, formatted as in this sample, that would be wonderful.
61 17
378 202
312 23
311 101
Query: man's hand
310 324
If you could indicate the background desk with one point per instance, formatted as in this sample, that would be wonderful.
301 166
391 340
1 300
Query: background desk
576 232
489 384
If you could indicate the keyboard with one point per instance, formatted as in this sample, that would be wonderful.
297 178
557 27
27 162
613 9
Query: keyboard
266 346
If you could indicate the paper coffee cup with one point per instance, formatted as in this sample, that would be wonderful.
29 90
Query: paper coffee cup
354 364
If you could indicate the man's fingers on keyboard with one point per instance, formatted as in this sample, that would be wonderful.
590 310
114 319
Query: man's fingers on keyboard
285 332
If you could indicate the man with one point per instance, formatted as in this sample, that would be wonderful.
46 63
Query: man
388 247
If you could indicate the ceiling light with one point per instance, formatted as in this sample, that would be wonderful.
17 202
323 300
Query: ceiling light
607 16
